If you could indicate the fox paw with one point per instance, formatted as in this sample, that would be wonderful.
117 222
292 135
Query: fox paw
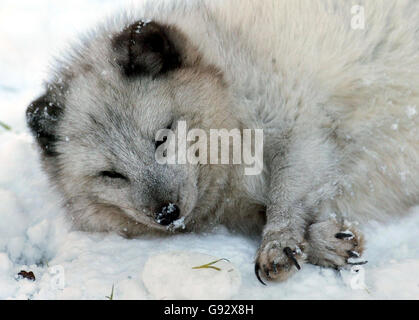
333 245
278 260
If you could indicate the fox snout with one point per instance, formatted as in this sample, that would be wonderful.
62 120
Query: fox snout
167 214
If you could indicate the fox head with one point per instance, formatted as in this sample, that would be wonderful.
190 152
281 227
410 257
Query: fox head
96 126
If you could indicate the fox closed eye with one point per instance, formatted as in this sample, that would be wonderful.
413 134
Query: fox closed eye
113 175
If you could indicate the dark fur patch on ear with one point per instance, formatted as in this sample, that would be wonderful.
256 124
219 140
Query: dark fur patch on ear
42 117
146 48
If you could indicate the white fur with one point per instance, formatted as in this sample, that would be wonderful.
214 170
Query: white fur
301 59
339 108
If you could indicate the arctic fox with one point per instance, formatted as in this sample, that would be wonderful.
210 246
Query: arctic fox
334 85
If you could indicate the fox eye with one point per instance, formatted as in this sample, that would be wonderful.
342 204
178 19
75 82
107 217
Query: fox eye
113 175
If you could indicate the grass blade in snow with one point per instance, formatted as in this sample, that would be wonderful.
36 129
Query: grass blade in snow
210 265
111 296
5 126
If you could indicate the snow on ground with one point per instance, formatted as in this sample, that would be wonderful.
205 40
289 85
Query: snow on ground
71 265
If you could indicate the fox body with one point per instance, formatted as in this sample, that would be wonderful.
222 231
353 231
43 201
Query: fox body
337 106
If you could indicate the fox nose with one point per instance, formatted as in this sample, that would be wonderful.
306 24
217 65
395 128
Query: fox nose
167 214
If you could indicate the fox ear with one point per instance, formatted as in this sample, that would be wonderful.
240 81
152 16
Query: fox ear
42 117
146 48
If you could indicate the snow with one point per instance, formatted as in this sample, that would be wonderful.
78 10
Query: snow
34 236
181 279
178 224
411 111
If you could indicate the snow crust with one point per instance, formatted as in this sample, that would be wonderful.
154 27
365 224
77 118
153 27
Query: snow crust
189 275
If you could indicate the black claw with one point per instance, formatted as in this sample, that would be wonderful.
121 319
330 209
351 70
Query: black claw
290 254
274 268
257 268
343 235
357 263
353 254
